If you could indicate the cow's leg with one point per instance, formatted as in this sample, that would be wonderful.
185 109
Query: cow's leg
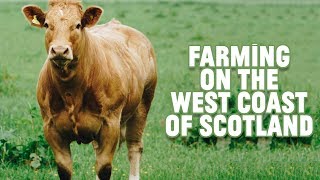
61 151
106 146
134 131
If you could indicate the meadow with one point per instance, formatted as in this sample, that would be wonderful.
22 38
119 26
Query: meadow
171 27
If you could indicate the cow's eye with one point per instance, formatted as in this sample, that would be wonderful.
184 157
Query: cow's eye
78 26
46 25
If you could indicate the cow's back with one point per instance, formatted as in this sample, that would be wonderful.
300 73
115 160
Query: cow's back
135 42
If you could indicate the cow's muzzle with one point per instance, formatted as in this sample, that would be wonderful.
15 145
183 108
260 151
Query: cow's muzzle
60 55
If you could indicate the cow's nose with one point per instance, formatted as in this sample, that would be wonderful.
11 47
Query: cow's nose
64 51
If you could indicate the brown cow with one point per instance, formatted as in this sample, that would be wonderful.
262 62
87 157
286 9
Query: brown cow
96 85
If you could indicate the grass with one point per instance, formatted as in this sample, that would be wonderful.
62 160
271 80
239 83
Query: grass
172 27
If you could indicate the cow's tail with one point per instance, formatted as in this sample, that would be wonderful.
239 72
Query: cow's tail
122 136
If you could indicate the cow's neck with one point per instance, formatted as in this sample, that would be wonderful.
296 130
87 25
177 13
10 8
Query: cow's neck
89 53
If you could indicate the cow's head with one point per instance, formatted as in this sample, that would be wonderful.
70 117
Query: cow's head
65 23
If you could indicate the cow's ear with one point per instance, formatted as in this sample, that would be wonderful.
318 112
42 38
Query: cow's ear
34 15
91 16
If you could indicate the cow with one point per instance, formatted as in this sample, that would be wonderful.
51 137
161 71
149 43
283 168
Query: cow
96 85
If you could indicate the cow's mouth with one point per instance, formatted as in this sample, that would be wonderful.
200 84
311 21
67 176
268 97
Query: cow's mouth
63 62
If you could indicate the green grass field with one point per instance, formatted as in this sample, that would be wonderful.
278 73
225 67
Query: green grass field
172 27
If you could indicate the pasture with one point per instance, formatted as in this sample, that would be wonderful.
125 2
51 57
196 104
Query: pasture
171 27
